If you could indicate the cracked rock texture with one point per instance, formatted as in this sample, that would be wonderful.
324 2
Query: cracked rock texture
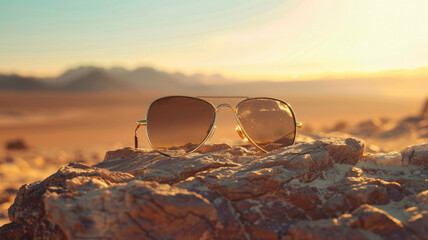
325 189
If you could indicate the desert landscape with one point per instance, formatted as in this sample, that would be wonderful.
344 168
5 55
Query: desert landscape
43 130
77 79
329 188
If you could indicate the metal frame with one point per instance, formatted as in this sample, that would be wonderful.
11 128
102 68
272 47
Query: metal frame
235 109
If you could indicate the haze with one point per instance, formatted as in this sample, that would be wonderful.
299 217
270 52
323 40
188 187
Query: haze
269 40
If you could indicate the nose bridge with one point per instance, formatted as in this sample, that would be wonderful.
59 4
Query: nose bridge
226 105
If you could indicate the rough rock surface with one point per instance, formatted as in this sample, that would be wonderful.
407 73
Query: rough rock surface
325 189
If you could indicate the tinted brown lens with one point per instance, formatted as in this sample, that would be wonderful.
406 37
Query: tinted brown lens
269 123
177 125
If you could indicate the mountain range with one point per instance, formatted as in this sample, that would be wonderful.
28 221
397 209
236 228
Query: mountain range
402 83
90 79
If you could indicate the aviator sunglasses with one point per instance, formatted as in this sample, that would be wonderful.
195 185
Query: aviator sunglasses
178 125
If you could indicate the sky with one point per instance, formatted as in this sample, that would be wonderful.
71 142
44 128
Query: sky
247 39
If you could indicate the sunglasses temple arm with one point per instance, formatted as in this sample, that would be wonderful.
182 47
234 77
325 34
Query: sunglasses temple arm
139 123
135 137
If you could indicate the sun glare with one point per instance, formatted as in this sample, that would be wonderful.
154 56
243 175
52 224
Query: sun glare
308 37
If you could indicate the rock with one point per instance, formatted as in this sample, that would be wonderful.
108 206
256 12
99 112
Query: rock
28 210
12 230
406 128
422 200
358 191
324 230
339 126
416 155
348 152
134 210
17 144
388 159
151 166
381 135
374 220
367 128
365 222
417 221
323 189
336 205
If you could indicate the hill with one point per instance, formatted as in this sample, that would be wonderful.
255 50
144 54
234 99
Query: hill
96 80
15 82
394 83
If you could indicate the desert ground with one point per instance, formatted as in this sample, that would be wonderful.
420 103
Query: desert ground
59 127
53 120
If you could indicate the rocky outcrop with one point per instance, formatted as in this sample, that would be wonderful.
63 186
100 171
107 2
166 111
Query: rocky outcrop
325 189
381 134
416 155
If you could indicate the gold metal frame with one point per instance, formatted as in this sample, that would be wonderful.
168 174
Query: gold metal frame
240 129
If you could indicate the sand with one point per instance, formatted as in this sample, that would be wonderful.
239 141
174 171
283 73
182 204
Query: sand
48 120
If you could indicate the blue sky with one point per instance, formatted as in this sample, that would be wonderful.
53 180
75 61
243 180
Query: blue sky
244 39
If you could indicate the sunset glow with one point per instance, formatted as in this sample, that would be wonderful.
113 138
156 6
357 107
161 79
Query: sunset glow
259 40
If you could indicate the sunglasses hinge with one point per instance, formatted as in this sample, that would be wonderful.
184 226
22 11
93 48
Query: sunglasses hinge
142 122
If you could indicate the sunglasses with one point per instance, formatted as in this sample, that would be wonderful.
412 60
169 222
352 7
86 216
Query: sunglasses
178 125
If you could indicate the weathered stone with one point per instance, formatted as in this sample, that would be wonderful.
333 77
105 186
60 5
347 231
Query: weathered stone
422 200
364 190
348 152
388 159
417 221
325 230
305 191
12 230
133 210
151 166
366 222
336 205
416 155
374 220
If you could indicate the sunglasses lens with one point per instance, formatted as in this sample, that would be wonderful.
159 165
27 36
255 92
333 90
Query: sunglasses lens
269 123
177 125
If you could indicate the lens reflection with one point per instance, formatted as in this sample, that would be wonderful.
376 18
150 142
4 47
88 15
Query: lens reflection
269 123
177 125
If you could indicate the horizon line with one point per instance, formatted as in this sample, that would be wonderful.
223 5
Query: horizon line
284 77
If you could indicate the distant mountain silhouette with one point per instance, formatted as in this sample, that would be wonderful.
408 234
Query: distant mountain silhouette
398 83
90 78
144 77
73 74
95 80
214 79
15 82
150 78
